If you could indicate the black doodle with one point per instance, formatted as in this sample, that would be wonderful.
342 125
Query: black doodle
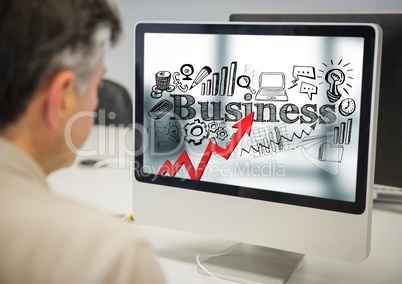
160 109
184 109
222 134
232 79
248 97
213 127
307 72
224 78
158 132
162 79
271 87
196 132
178 84
215 84
213 114
302 71
330 153
309 89
204 72
335 77
174 131
269 140
206 88
347 107
218 129
166 136
244 82
187 70
343 133
222 83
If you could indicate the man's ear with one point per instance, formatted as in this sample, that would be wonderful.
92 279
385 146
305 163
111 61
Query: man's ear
60 91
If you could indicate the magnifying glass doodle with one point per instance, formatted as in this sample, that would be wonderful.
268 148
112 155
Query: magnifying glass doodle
244 82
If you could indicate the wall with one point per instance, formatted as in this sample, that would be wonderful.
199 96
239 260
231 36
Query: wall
119 60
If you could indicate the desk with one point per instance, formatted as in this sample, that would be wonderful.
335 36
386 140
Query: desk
109 188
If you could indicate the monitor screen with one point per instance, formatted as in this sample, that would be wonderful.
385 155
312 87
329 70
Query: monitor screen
268 113
388 157
272 80
258 133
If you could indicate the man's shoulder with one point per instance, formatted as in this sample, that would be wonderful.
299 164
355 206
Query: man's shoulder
63 234
33 205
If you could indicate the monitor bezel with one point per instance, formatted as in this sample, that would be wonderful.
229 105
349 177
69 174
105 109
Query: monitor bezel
367 31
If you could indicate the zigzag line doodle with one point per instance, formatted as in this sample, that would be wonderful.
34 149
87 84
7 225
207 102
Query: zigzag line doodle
269 144
243 126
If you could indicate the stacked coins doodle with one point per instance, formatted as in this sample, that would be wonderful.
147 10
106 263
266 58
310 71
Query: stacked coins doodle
162 79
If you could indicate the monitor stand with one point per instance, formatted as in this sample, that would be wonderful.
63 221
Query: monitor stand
252 264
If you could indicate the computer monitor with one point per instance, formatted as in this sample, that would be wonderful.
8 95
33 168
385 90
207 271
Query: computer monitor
388 178
294 174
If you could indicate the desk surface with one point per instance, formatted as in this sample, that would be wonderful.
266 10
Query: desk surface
109 188
178 250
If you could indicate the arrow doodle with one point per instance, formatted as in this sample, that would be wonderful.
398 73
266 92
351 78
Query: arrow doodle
243 126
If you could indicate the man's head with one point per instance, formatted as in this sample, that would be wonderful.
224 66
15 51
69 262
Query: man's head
51 61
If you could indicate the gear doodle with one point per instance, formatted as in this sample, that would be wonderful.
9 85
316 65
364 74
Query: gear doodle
221 134
213 127
196 132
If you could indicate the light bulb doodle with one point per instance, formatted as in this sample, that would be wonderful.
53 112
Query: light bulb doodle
339 78
334 78
174 132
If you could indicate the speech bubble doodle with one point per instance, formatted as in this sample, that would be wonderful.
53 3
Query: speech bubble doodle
302 71
308 89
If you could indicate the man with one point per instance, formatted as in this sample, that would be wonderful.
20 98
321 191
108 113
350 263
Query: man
51 62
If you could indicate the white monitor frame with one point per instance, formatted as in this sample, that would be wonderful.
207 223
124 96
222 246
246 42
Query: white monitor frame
329 232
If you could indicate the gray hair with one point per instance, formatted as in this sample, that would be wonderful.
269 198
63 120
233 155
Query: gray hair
52 35
83 60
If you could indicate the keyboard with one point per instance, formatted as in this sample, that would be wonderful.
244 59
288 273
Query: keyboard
271 94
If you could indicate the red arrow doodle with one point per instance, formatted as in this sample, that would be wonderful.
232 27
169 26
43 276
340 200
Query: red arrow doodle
243 127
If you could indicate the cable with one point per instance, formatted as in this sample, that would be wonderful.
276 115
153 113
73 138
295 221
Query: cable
213 256
206 270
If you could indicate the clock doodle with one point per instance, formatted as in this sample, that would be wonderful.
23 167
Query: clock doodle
347 107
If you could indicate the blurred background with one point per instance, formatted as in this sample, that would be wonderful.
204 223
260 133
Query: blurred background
120 59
